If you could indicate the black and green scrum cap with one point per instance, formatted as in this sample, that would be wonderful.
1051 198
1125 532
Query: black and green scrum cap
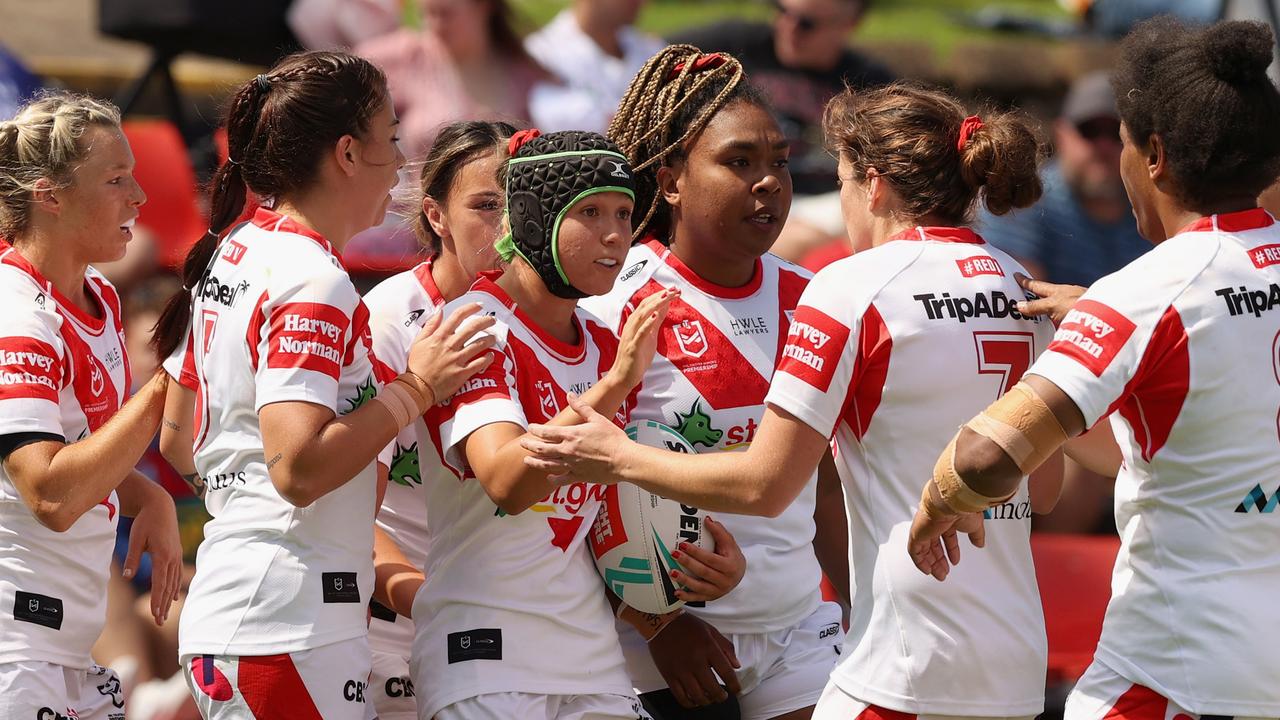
547 175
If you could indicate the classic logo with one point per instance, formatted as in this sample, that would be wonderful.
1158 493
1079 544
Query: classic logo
413 317
619 169
631 271
814 344
1265 255
690 338
979 265
1257 499
1092 334
233 252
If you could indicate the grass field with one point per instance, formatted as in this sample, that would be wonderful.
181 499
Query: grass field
936 23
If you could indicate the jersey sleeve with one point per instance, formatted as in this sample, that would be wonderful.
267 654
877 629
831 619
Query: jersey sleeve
818 361
181 363
32 371
1118 327
488 397
306 327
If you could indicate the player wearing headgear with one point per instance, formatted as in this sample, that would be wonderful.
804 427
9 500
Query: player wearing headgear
715 192
1182 349
291 408
888 351
512 621
68 439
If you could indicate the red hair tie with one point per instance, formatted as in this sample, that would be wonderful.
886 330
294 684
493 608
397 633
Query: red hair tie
971 125
518 140
706 62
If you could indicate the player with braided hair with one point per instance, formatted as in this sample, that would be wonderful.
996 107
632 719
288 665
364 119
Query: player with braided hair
713 193
291 407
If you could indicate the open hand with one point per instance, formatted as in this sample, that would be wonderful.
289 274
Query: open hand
155 530
934 544
1055 300
639 339
447 352
690 653
588 452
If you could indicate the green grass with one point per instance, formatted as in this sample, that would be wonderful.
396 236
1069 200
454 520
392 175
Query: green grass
936 23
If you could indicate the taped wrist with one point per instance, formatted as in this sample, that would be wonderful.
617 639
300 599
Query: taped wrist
956 495
403 400
1022 425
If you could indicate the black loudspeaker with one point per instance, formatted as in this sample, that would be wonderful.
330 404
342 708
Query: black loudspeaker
249 31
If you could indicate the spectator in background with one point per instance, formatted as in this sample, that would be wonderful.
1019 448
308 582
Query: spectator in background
800 61
1082 228
17 83
467 62
342 24
593 51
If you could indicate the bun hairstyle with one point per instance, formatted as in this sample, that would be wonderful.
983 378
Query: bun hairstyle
456 145
670 100
912 136
42 142
279 126
1205 92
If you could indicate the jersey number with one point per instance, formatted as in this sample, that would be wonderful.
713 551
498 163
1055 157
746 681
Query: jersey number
1007 354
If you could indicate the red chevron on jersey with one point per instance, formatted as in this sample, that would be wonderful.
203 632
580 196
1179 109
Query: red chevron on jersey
706 358
1092 334
90 380
307 335
29 368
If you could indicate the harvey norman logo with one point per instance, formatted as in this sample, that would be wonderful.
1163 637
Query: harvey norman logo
814 343
1092 334
307 335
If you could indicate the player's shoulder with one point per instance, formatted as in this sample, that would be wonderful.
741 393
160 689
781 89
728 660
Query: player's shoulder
781 266
858 279
504 317
401 293
29 310
1159 275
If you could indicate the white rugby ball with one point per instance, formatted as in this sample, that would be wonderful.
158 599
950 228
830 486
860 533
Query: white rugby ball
636 531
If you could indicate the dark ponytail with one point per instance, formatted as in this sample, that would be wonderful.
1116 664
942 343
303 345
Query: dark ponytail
279 126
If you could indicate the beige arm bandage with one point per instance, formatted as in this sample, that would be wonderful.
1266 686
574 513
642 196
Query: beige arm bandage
955 494
1022 425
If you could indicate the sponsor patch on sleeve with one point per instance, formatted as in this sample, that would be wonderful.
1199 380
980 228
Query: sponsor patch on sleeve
1092 334
308 336
485 385
29 368
815 342
979 265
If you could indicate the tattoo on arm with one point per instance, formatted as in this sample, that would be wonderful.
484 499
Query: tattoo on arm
196 482
171 424
274 460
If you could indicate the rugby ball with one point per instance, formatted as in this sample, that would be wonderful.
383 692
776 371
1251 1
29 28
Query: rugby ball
635 532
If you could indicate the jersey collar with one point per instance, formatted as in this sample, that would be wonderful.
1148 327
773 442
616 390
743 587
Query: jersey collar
272 221
423 273
1251 219
701 283
940 234
487 283
9 255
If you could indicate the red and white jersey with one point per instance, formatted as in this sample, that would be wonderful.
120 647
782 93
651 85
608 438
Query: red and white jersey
513 603
716 354
276 319
1182 346
398 308
890 351
62 372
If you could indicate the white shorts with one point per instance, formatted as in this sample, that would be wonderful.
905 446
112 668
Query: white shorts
391 687
44 691
325 683
781 671
836 704
528 706
1101 693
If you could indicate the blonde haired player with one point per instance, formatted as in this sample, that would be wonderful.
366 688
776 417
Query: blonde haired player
68 439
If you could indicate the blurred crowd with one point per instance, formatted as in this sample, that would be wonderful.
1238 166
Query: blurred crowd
448 60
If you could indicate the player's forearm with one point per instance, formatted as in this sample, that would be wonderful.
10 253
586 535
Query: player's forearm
79 475
341 450
719 482
984 466
396 580
831 536
136 491
605 397
177 431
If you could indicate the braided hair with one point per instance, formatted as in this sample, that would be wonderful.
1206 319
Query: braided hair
279 126
672 99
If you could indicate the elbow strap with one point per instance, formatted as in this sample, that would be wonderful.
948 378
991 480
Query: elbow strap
1022 425
955 493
